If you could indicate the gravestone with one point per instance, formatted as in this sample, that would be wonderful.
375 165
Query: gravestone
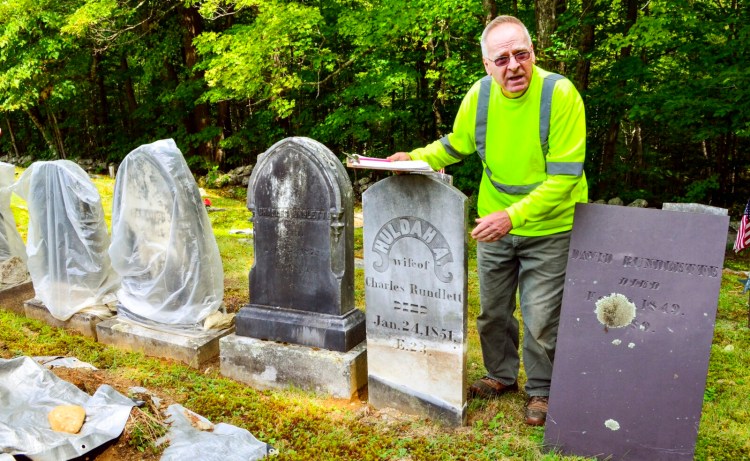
415 288
67 245
635 333
15 283
300 327
164 249
302 279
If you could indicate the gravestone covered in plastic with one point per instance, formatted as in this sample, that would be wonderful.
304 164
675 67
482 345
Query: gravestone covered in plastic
10 240
302 279
163 246
67 239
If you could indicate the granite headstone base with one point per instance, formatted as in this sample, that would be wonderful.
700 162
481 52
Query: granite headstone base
273 365
13 297
81 322
332 332
193 350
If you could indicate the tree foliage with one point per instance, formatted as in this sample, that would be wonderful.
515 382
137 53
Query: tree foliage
663 81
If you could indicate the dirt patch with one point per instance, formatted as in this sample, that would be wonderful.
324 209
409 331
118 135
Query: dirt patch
141 427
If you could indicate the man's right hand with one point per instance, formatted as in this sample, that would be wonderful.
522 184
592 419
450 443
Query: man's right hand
399 156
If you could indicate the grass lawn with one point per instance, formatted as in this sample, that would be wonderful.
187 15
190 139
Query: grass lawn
305 426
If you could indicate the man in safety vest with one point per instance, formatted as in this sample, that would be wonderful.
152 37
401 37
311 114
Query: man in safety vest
528 126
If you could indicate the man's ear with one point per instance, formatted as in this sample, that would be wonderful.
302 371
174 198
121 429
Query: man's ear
486 63
533 55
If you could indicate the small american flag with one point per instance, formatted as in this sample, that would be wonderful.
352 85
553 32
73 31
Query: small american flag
743 233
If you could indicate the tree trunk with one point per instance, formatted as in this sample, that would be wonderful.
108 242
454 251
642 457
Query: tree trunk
586 46
101 109
490 9
129 92
200 118
546 12
12 137
36 119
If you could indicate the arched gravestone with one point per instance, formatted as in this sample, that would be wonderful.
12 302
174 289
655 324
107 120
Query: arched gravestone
67 238
163 246
11 243
302 279
415 243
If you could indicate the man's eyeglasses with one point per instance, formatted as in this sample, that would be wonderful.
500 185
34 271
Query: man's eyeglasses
521 56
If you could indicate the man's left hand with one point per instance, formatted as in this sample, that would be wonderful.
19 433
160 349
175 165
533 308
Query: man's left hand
492 227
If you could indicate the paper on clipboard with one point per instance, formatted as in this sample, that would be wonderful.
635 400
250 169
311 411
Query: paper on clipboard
372 163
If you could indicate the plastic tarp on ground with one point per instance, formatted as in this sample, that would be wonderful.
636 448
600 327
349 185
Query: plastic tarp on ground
163 246
67 239
192 436
28 392
11 243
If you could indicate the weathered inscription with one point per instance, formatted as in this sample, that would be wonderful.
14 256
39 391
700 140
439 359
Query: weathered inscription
638 283
294 213
701 270
417 229
421 329
591 256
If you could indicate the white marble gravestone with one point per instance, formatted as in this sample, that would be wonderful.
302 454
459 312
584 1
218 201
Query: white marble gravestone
415 288
67 241
636 326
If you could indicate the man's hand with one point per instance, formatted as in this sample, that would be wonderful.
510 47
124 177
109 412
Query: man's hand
399 156
492 227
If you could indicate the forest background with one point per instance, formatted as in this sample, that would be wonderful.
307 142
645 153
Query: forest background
666 83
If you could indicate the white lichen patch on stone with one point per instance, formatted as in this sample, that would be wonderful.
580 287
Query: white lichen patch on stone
631 345
612 424
616 342
615 311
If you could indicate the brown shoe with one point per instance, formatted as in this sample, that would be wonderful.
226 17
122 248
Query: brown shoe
490 388
536 410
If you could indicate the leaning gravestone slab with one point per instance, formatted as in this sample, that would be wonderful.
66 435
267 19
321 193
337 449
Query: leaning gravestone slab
415 290
635 333
302 279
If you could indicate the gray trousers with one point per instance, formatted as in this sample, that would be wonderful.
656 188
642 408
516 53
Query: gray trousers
536 267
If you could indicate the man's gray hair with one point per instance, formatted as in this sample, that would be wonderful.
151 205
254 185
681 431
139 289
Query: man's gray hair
497 22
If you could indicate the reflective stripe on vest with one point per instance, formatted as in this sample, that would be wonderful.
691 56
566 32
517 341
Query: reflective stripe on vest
545 111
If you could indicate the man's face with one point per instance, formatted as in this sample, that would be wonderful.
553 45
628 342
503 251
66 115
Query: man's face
508 40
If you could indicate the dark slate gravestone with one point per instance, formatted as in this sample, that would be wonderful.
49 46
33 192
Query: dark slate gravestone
415 290
635 332
302 280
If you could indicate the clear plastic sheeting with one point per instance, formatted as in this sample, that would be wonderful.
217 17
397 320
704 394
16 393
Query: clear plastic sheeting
11 243
192 436
67 239
163 246
28 392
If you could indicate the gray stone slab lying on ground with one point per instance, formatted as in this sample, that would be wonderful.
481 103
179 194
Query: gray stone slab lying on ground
194 351
80 322
274 365
636 326
13 298
415 288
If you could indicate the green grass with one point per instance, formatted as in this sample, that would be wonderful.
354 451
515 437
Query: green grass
305 426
